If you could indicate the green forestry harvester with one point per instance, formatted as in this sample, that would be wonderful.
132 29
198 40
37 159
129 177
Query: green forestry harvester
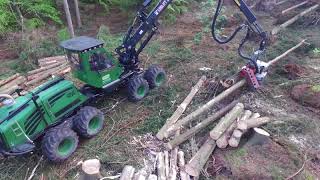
57 112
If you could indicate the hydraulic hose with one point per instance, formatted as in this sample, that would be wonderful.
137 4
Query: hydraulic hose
232 36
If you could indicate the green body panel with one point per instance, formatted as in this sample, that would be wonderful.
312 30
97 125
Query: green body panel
101 78
24 121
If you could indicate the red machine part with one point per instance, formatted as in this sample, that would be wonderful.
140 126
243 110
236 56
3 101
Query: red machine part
250 76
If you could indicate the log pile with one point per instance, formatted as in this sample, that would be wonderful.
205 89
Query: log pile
292 20
51 66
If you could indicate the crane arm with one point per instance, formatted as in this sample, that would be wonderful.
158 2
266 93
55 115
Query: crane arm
128 53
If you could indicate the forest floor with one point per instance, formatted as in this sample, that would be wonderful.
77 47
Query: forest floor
182 48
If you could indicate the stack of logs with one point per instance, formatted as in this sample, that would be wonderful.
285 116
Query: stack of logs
51 66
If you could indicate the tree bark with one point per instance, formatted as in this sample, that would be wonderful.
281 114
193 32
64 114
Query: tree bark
226 121
276 30
76 6
294 7
191 117
180 110
69 19
197 162
91 170
191 132
127 173
161 167
183 174
222 142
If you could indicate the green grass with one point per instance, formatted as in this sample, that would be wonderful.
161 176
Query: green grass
236 157
162 106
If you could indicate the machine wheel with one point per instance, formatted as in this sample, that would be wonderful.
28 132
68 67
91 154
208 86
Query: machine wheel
138 88
88 122
155 76
59 143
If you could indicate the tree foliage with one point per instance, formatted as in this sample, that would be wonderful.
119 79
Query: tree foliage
16 14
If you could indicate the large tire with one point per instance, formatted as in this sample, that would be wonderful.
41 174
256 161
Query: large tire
59 143
155 76
88 122
138 88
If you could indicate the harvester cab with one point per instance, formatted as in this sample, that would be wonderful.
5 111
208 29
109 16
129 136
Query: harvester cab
90 62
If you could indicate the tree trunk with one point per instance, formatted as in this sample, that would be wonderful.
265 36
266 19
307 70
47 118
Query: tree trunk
226 121
180 110
183 174
127 173
197 162
191 132
91 170
68 16
209 105
76 6
294 7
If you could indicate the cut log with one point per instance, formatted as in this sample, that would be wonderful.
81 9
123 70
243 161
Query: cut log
8 80
205 108
226 121
45 68
257 122
173 164
44 76
234 141
10 90
16 82
197 162
91 170
166 163
294 7
180 110
183 174
127 173
53 58
286 53
276 30
152 177
51 70
191 132
161 167
222 142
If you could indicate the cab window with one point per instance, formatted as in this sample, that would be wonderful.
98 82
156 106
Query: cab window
99 62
